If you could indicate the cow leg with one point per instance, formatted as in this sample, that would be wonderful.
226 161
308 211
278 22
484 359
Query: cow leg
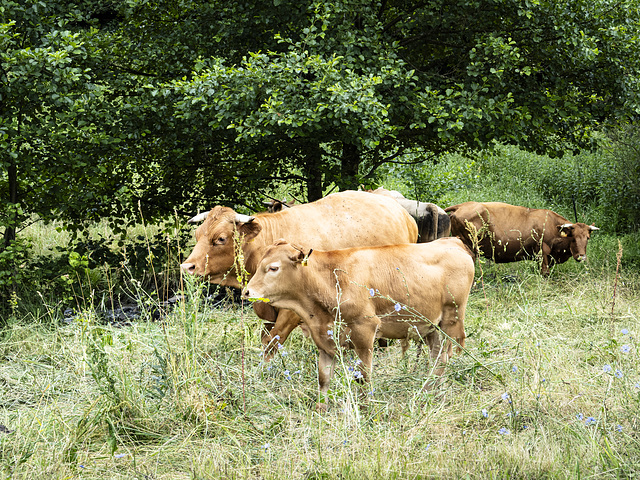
452 324
326 367
546 251
285 323
268 314
362 337
438 349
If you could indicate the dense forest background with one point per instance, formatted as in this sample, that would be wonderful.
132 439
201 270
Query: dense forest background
131 111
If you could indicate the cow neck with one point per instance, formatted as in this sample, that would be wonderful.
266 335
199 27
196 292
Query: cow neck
320 282
254 249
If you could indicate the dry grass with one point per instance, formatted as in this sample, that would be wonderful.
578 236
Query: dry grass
170 399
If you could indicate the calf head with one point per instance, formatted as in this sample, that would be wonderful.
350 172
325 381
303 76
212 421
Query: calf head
278 276
578 235
215 251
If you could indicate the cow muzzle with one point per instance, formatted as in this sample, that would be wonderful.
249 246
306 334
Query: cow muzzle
581 258
189 268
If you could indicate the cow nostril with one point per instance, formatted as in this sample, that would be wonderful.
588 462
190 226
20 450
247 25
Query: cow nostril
188 268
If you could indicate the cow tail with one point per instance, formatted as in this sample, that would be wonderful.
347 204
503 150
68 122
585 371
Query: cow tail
433 234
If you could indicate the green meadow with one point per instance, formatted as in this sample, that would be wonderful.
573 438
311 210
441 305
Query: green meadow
548 387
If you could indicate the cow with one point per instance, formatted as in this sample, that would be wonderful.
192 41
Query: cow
274 205
508 233
351 296
432 220
340 220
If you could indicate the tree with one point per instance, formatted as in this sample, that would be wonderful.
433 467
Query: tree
355 84
179 104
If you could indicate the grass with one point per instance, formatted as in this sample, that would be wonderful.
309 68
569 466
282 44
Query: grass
189 397
550 387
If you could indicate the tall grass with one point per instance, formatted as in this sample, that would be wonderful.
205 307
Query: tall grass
550 389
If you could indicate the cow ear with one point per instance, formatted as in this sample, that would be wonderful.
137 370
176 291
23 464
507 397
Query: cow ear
565 229
300 256
247 226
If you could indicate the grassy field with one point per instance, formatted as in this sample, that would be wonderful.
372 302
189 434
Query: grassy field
549 388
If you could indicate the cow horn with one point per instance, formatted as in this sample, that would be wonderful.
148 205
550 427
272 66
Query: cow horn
593 227
566 225
198 218
240 218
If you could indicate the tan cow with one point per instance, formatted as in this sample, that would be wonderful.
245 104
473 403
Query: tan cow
508 233
340 220
393 291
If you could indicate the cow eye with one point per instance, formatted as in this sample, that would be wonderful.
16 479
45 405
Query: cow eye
273 268
221 240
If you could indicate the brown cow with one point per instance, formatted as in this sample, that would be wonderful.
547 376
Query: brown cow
392 291
508 233
340 220
432 220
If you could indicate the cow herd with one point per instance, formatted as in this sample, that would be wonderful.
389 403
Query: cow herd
359 265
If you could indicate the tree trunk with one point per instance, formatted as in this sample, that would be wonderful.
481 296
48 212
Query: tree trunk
10 228
349 167
314 174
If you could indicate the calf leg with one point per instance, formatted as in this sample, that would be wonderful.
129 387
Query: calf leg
286 321
362 337
326 367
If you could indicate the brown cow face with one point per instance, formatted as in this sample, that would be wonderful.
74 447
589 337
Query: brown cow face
579 234
278 275
214 253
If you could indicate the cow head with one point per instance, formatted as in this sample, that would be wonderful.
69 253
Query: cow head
578 235
215 251
278 275
275 205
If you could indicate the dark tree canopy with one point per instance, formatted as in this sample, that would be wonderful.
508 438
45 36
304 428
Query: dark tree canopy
177 105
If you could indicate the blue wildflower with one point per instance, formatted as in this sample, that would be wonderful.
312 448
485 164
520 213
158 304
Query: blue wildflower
330 333
398 307
357 375
427 447
286 374
580 416
266 446
514 369
120 455
625 331
619 428
372 292
625 348
505 397
637 386
607 368
504 431
590 421
619 373
485 413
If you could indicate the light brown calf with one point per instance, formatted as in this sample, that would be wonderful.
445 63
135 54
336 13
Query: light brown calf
397 291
